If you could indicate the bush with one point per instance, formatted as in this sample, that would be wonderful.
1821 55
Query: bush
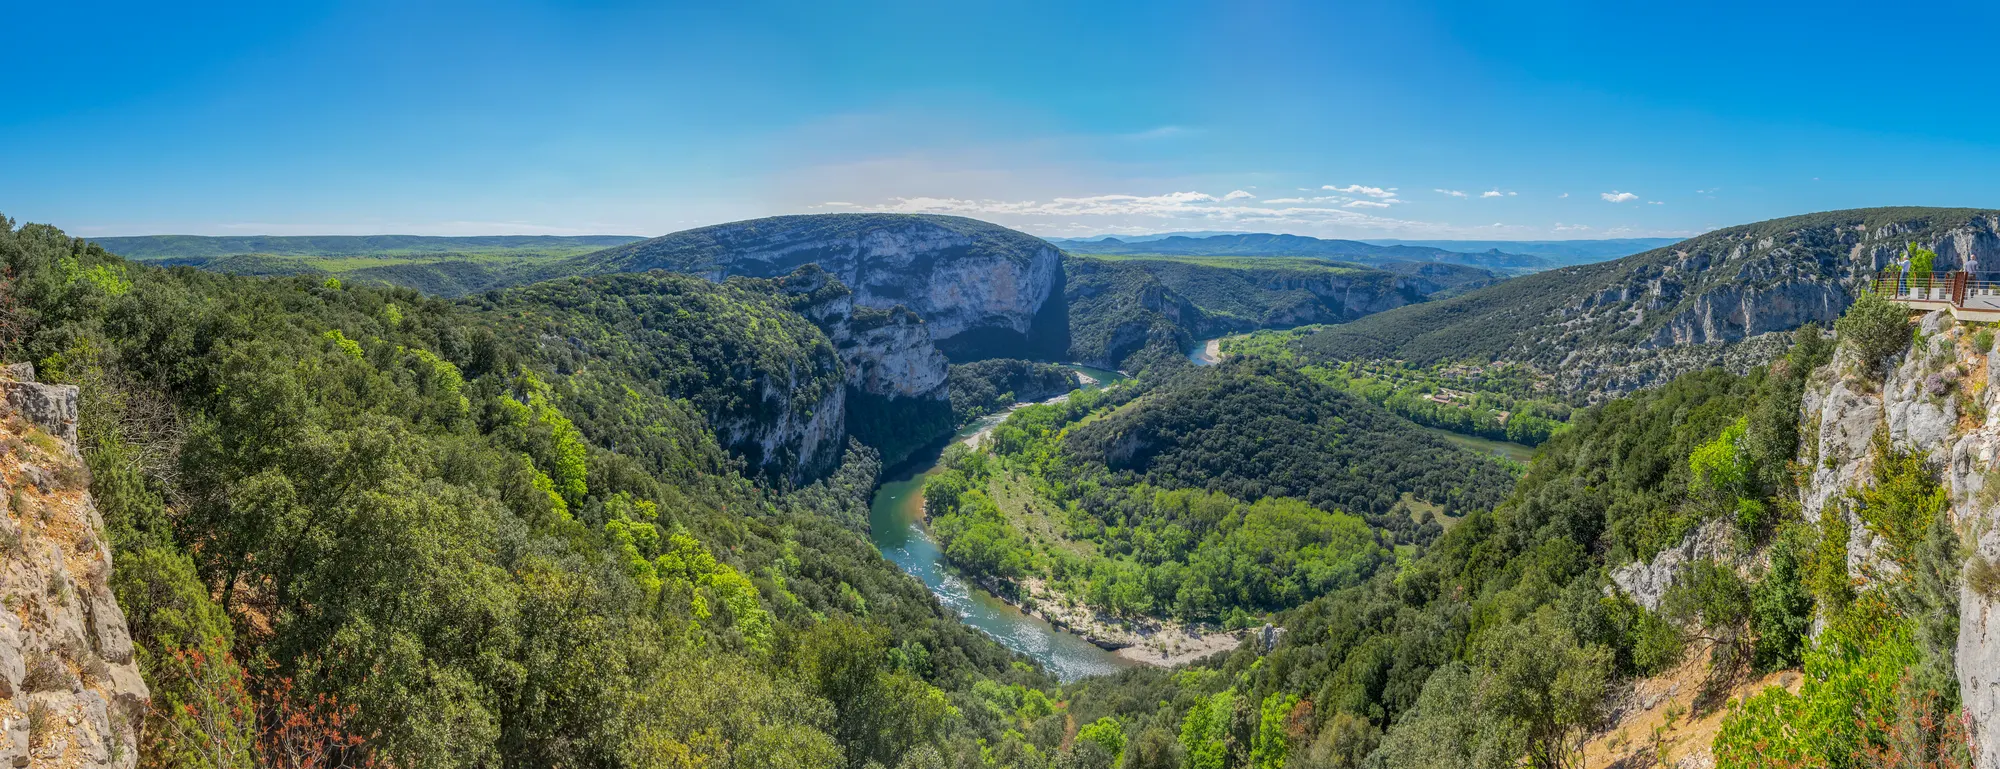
1982 340
1876 328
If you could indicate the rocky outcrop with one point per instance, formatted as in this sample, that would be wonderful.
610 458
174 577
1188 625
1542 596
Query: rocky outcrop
1723 299
887 352
70 691
1647 582
982 290
1919 404
896 397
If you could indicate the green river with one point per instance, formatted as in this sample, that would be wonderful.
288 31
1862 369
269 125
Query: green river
896 524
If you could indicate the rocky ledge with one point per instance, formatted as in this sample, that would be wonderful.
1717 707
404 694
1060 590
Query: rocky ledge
70 691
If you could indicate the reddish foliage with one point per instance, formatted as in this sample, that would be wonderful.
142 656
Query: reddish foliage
1918 736
300 732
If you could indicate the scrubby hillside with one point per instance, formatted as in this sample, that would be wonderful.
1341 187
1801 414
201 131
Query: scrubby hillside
1150 309
1713 300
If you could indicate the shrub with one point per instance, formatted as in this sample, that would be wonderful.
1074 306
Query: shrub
45 673
1876 328
41 723
1983 340
1983 577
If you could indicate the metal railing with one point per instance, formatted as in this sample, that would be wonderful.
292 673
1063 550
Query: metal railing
1974 290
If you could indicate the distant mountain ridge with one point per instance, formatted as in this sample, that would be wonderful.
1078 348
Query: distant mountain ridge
153 247
1563 252
1266 244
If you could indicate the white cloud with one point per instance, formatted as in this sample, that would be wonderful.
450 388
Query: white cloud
1490 194
1237 195
1564 195
1277 201
837 204
1560 227
1618 197
1356 189
1364 204
1453 193
1656 202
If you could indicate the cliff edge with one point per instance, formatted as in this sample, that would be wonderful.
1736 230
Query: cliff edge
70 691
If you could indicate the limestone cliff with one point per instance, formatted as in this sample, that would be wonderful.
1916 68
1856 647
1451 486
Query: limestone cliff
982 290
70 692
1714 300
887 352
896 398
1938 399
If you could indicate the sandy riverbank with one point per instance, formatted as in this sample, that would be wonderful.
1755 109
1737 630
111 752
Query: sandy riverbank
1162 643
1209 354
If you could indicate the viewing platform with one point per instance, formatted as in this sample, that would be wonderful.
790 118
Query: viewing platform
1971 296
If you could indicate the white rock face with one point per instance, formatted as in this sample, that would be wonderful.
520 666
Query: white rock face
973 283
810 441
1918 403
1647 581
70 691
1724 299
886 352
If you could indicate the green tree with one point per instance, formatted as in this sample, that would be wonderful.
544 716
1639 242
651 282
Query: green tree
1273 741
1875 328
1205 731
1551 688
1108 733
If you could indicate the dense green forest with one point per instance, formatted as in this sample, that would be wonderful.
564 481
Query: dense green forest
735 352
502 532
447 544
1215 495
1254 428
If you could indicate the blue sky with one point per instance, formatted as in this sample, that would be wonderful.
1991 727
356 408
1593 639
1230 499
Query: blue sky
1413 120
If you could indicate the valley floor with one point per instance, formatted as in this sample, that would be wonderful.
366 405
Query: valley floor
1147 640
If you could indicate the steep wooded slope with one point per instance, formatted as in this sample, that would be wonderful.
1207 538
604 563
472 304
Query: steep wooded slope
1149 309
